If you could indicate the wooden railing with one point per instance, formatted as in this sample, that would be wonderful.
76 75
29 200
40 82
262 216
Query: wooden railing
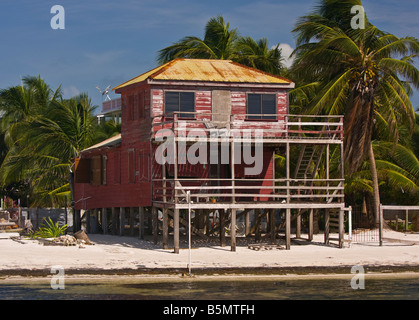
281 127
247 190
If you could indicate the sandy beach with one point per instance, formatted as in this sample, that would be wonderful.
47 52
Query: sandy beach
118 254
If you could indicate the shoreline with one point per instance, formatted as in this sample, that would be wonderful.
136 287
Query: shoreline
214 273
116 256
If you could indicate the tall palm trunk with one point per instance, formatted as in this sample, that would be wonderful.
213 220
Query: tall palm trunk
376 193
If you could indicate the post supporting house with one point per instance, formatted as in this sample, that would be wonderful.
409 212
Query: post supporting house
223 132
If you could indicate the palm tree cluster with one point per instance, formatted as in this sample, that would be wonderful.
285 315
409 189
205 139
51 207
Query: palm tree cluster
41 134
366 74
223 43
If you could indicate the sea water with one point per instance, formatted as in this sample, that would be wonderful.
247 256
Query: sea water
122 288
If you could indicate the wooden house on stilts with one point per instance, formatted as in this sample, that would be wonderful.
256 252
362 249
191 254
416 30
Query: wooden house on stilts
213 129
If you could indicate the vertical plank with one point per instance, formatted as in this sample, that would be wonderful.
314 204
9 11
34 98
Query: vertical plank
165 229
222 228
104 221
233 230
298 225
131 221
272 220
114 223
141 223
155 223
288 229
121 221
341 227
247 223
88 227
326 226
310 224
176 230
258 213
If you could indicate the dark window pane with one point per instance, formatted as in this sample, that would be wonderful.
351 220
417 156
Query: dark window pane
187 104
268 105
171 103
254 106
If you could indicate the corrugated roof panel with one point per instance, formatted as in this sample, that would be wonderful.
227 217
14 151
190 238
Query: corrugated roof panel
207 70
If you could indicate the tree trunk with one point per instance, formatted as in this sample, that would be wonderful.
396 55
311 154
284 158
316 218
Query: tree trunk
376 191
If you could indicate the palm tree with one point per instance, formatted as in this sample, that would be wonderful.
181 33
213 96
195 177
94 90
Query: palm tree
257 54
363 73
223 43
48 133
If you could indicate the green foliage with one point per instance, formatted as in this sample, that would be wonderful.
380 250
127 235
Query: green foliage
43 133
49 229
367 75
222 42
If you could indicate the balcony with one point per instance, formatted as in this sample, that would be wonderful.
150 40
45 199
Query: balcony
194 126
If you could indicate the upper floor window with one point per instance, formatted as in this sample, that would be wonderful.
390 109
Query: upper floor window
261 106
179 102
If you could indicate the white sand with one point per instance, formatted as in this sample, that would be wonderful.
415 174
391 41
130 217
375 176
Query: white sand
115 252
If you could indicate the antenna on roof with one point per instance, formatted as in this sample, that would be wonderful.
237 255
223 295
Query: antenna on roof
105 92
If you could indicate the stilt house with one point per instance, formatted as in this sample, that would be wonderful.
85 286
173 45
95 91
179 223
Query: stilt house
204 135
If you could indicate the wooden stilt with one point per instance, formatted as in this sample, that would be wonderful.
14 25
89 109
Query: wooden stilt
141 223
233 230
288 229
104 221
155 223
298 224
114 221
131 221
326 226
310 225
165 229
222 228
258 214
88 229
121 221
247 223
341 227
272 221
176 231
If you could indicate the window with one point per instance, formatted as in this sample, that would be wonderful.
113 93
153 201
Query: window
104 159
179 101
261 106
96 170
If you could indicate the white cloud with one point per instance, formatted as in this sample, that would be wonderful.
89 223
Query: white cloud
286 53
70 91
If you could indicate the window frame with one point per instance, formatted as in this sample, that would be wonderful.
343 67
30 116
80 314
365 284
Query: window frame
192 116
273 117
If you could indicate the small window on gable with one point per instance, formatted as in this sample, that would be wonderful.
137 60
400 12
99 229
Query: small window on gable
179 102
261 106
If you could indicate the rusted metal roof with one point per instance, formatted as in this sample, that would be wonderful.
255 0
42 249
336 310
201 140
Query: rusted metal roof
207 70
110 142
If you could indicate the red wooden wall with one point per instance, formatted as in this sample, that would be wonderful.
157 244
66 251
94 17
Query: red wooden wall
129 166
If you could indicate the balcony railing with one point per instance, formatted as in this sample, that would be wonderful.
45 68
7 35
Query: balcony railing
216 125
239 190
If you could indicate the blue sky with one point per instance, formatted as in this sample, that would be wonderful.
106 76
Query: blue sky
108 42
